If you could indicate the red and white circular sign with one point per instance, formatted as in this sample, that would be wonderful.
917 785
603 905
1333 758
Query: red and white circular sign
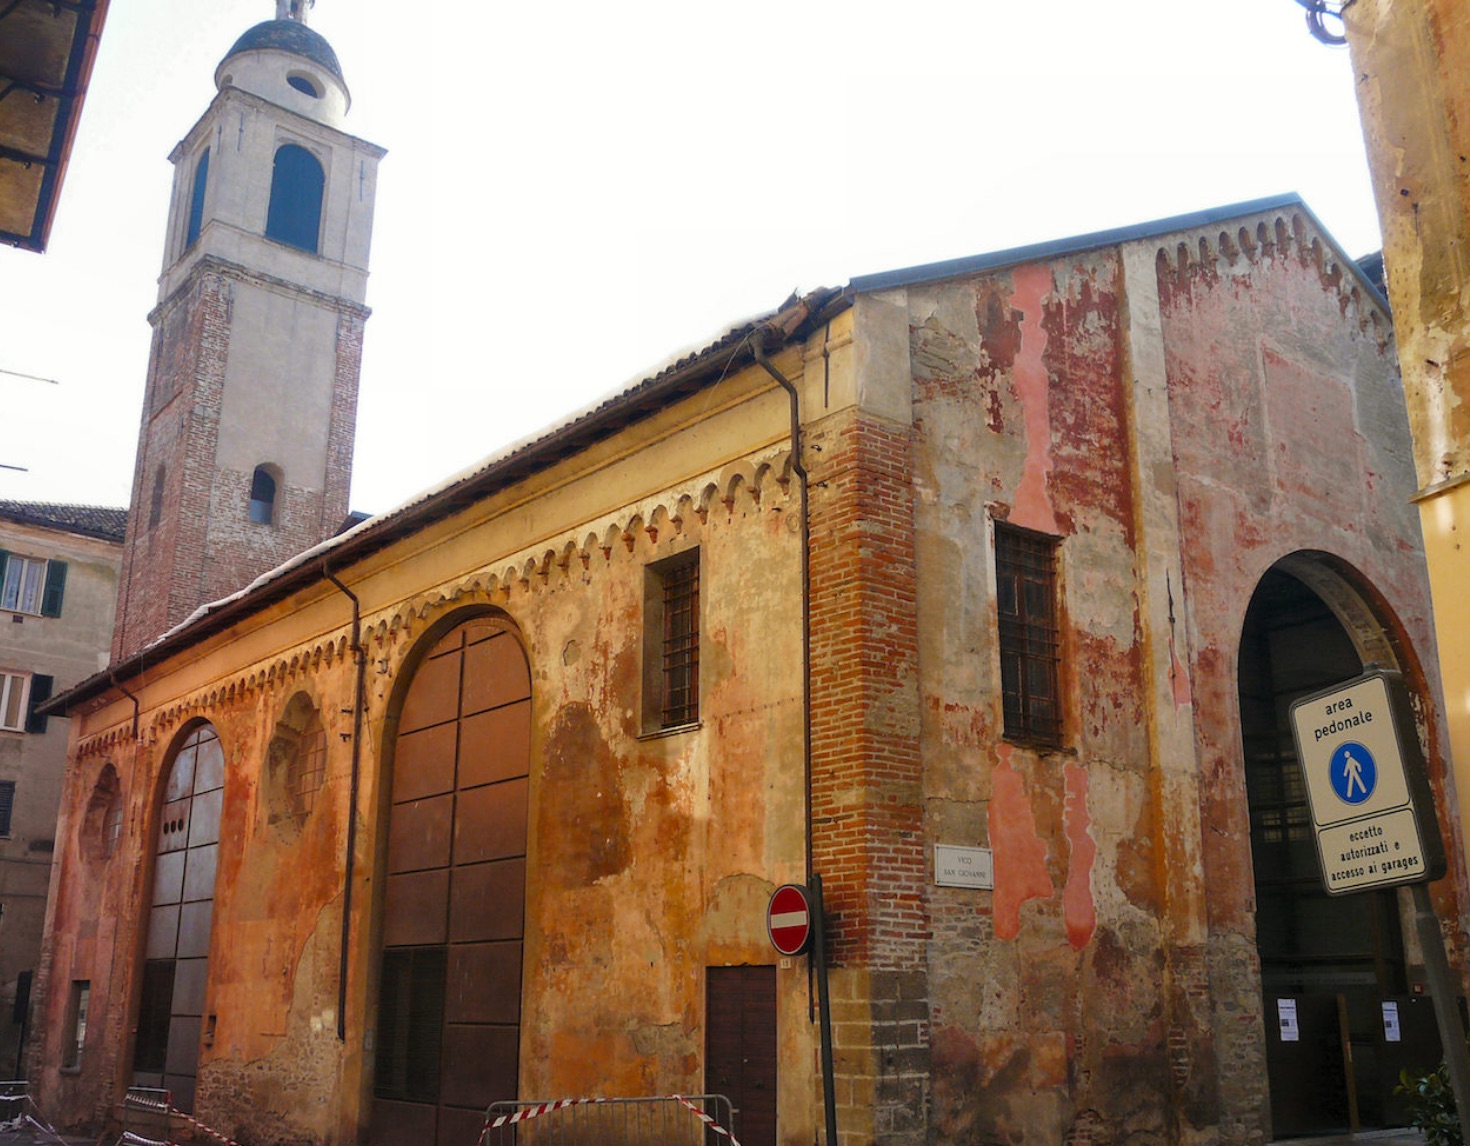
789 919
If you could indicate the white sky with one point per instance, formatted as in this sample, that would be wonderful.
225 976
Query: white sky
573 191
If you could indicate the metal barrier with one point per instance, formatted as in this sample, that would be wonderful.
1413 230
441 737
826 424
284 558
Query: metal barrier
669 1120
18 1110
160 1114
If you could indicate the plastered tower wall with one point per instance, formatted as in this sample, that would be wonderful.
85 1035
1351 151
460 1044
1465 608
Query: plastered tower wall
257 342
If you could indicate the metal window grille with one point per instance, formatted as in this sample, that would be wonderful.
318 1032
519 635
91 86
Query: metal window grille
310 769
1030 640
680 585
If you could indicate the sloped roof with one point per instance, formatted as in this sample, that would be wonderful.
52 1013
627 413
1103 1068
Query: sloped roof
104 522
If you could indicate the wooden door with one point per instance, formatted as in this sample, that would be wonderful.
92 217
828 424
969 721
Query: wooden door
740 1058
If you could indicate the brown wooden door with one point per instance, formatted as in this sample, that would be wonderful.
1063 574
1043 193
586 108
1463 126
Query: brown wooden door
449 1001
740 1048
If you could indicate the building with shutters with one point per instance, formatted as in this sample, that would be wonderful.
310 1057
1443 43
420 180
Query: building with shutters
1023 554
58 581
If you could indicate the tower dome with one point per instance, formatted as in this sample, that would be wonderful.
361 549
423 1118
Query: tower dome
289 64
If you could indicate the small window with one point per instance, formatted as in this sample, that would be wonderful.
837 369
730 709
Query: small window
671 643
155 503
1026 608
31 584
76 1022
304 85
15 688
296 763
262 497
196 200
7 803
294 215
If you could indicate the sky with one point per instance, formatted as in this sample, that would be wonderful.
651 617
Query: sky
574 192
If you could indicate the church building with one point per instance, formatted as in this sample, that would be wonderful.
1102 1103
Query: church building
1020 557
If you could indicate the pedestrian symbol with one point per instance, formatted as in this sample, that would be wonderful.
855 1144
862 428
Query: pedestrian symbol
1353 772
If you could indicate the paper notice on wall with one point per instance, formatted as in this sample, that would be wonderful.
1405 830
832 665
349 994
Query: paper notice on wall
1286 1016
1391 1032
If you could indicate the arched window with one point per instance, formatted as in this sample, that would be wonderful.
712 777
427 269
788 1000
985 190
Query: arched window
263 496
176 957
296 764
155 504
196 202
295 212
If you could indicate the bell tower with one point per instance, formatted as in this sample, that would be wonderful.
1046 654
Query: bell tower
245 449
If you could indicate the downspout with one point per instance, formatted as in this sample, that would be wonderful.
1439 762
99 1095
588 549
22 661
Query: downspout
359 654
813 881
117 684
802 483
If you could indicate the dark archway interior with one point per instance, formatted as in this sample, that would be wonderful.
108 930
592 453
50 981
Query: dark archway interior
1333 959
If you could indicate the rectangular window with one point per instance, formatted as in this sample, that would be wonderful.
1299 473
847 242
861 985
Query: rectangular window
31 584
7 803
77 1004
671 643
1026 608
15 688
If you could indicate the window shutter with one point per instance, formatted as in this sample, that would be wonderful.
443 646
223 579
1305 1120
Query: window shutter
55 587
7 802
40 691
4 557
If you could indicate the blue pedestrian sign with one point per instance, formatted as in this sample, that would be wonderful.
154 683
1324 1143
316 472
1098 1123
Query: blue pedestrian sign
1367 787
1353 772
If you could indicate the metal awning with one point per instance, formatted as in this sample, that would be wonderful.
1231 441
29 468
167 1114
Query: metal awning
46 52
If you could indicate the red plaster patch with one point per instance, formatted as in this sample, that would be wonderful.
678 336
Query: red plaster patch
1078 910
1033 508
1020 854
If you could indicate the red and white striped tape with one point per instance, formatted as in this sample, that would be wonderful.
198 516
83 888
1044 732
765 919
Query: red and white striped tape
166 1105
708 1121
531 1112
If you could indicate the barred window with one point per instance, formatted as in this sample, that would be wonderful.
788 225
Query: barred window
1026 607
671 643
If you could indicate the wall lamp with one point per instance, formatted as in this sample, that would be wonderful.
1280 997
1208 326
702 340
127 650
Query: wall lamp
1319 11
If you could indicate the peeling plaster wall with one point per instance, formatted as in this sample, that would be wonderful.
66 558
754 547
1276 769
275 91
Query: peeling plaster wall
651 856
1289 434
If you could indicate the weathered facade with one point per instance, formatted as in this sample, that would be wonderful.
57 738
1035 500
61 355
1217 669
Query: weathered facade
58 581
486 798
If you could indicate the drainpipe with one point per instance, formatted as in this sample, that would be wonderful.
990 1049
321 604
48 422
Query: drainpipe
813 881
117 684
359 654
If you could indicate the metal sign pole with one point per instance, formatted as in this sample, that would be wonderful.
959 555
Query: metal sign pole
1442 994
824 1002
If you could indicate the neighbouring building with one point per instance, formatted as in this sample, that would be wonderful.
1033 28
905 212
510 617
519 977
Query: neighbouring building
1412 61
485 797
58 582
46 56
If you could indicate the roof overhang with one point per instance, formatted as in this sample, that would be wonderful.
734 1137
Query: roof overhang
47 48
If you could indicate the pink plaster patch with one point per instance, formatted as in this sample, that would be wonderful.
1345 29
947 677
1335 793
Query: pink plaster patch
1179 679
1020 854
1078 910
1033 508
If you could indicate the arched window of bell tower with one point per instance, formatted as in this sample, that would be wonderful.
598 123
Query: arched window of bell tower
295 212
196 199
263 495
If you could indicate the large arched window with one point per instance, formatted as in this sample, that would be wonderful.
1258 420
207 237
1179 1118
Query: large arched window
295 212
196 200
176 960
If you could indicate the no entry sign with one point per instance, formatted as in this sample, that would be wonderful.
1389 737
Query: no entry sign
789 919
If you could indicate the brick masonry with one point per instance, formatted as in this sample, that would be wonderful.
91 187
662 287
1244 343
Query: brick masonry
868 841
